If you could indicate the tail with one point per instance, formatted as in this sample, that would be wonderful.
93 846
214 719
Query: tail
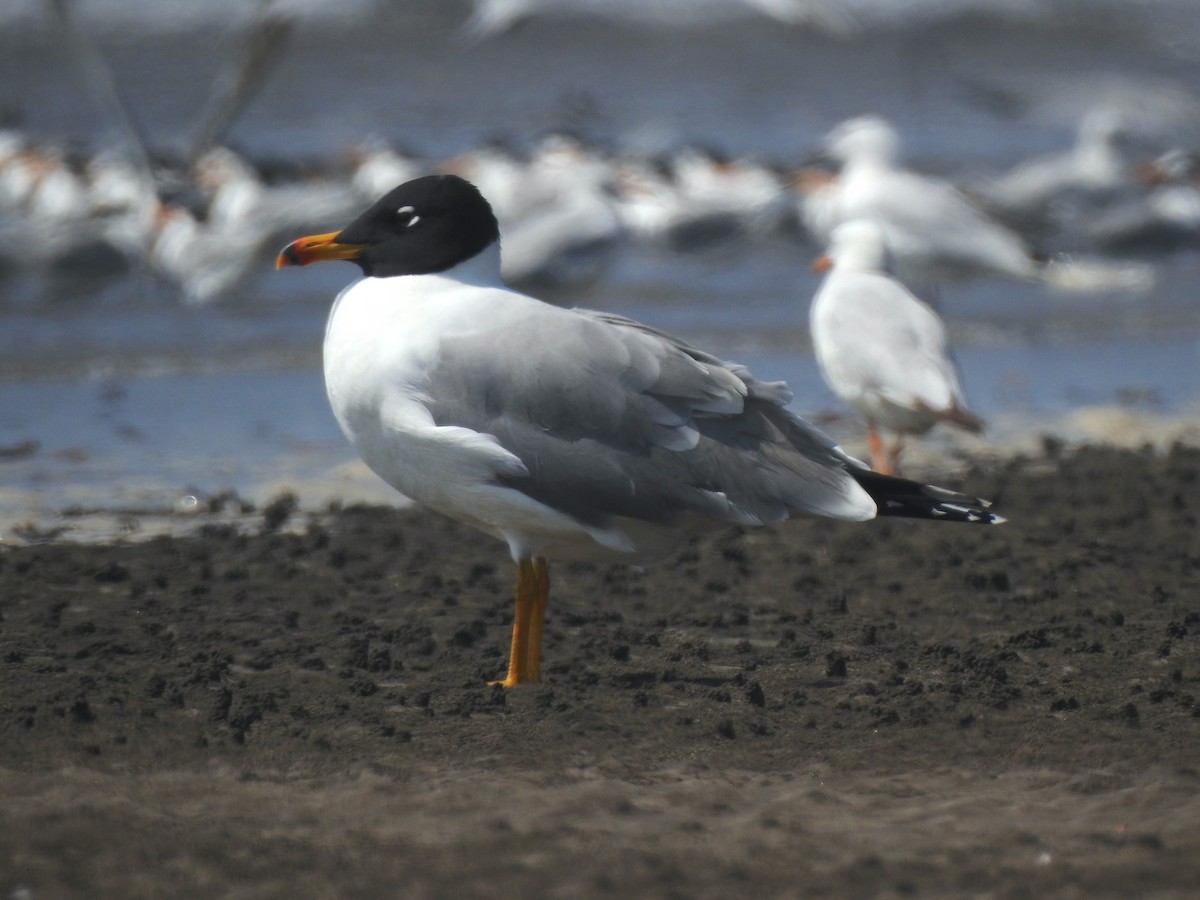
913 500
964 419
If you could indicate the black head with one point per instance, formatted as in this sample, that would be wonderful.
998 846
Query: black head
426 225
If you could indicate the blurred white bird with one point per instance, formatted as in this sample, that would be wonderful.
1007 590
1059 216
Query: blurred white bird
204 264
239 198
880 349
379 167
236 193
1094 167
752 194
39 182
692 200
493 17
933 231
117 185
652 207
210 257
1166 215
47 225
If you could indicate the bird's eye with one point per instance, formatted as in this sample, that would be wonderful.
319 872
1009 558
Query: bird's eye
407 216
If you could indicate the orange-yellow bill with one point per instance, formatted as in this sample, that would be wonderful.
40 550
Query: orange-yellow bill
316 248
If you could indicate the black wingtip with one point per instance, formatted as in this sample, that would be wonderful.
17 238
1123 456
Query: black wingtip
903 498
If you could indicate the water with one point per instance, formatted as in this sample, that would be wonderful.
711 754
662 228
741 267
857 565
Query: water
135 400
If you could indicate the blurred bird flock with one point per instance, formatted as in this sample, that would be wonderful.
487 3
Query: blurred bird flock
1035 166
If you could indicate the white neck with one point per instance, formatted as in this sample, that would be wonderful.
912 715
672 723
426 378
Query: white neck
859 259
859 247
481 270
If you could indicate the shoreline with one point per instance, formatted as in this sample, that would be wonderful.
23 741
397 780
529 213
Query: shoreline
64 503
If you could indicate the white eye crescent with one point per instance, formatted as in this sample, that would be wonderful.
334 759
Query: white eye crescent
407 212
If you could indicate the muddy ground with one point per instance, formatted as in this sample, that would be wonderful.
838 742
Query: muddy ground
299 709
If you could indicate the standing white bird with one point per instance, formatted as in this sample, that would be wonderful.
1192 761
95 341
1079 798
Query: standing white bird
880 349
565 433
933 230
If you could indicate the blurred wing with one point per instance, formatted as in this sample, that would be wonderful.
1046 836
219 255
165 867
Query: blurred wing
243 75
926 218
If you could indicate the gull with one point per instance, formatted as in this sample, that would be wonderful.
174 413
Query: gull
880 349
495 17
1164 217
378 167
568 230
209 257
239 198
565 433
933 230
203 263
751 193
117 185
1094 168
657 208
47 225
40 183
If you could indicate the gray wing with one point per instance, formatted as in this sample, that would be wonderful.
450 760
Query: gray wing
932 218
616 419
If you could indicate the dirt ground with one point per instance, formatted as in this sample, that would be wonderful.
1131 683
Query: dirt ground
889 709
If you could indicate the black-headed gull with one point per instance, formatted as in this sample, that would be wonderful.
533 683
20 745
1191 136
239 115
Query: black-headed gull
565 433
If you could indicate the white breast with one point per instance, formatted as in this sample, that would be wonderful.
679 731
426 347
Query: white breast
383 336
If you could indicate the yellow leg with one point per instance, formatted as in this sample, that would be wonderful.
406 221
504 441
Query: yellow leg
536 618
879 456
530 595
894 456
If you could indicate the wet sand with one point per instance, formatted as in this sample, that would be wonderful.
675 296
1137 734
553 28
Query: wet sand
297 707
